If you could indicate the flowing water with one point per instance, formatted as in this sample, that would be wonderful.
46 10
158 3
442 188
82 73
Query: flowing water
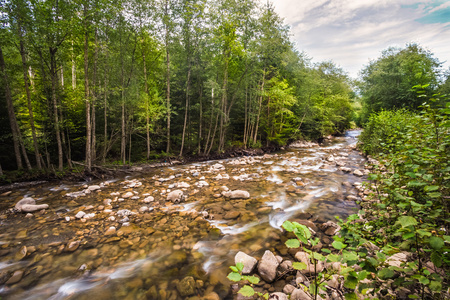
157 243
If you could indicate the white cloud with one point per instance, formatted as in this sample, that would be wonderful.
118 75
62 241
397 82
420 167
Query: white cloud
350 32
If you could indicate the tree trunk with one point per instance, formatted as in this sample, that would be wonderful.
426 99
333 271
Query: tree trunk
30 110
168 75
186 110
1 170
94 101
200 121
105 111
260 105
147 112
54 78
74 74
224 107
88 162
11 113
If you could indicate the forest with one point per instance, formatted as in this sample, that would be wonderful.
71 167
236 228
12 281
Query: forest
130 81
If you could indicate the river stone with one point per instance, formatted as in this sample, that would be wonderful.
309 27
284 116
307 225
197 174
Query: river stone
186 286
231 215
176 196
308 224
111 230
29 205
288 289
278 296
127 195
21 253
80 214
299 294
72 246
237 194
16 277
267 267
330 228
358 173
248 261
94 187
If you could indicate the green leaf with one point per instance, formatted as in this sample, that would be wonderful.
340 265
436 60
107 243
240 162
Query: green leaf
436 242
252 279
247 291
292 243
351 282
338 245
234 269
325 250
350 256
288 226
434 195
385 273
431 188
408 235
407 221
424 280
333 258
299 265
233 276
351 296
435 286
240 266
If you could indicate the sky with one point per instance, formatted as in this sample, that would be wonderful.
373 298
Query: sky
353 32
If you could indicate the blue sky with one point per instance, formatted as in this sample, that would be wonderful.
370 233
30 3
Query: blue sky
351 32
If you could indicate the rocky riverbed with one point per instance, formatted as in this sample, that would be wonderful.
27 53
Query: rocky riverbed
172 233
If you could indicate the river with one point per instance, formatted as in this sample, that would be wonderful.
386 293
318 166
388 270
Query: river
134 244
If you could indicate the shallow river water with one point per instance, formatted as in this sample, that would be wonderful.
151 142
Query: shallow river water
134 244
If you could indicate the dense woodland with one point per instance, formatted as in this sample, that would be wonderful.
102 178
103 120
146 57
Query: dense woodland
128 81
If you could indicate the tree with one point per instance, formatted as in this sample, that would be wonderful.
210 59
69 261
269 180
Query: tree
387 82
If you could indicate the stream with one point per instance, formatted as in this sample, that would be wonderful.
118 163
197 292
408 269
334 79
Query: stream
122 238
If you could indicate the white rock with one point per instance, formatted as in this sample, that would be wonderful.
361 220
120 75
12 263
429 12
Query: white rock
202 184
143 209
127 195
278 296
148 199
29 205
267 267
135 198
94 187
80 214
114 194
358 173
218 166
67 219
183 185
237 194
248 261
176 196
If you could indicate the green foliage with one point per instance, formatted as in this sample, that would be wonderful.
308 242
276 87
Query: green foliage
387 81
247 290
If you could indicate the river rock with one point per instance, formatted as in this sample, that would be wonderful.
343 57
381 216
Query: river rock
304 258
21 253
358 173
201 183
148 199
248 261
288 289
308 224
267 267
231 215
183 184
299 294
330 228
29 205
16 277
127 195
186 286
80 214
278 296
94 187
236 194
72 246
176 196
111 230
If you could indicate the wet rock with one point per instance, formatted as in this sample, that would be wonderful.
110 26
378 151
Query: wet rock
201 184
330 228
80 214
308 224
176 196
22 234
299 294
211 296
183 185
28 215
72 246
21 253
231 215
236 194
29 205
94 187
278 296
186 286
127 195
267 267
110 231
248 261
358 173
15 278
148 199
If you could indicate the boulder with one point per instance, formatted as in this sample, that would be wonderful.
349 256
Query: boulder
176 196
186 287
127 195
267 267
248 261
237 194
278 296
29 205
299 294
330 228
